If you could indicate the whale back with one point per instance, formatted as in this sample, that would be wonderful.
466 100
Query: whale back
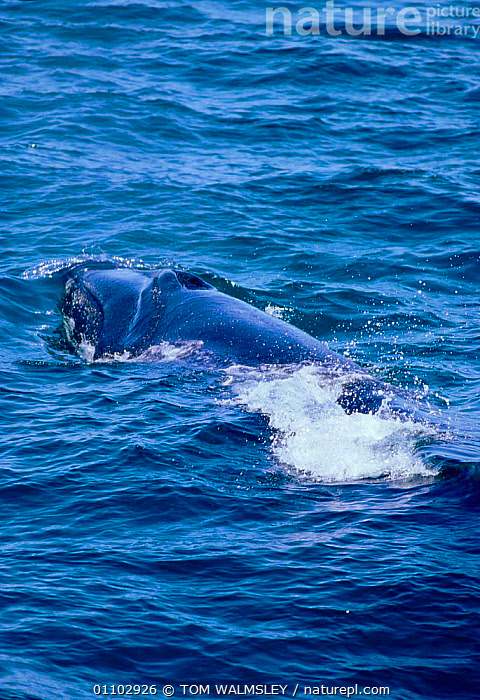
126 310
118 310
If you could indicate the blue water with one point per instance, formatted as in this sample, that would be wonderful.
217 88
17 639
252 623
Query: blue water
163 523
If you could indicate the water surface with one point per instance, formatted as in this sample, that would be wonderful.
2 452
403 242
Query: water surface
167 523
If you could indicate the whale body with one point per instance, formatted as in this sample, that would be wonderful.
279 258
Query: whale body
122 310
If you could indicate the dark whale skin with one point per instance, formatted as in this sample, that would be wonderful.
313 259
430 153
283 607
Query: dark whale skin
124 310
118 310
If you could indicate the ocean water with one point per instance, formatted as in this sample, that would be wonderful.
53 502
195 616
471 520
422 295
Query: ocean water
165 523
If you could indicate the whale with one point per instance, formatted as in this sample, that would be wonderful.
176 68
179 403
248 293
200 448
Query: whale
116 310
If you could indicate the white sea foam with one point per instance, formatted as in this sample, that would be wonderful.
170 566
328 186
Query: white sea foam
163 352
314 435
166 352
277 311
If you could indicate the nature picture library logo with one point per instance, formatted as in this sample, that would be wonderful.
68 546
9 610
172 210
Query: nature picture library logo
334 20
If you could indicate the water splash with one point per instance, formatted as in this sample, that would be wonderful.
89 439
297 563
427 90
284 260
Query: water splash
315 436
50 268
